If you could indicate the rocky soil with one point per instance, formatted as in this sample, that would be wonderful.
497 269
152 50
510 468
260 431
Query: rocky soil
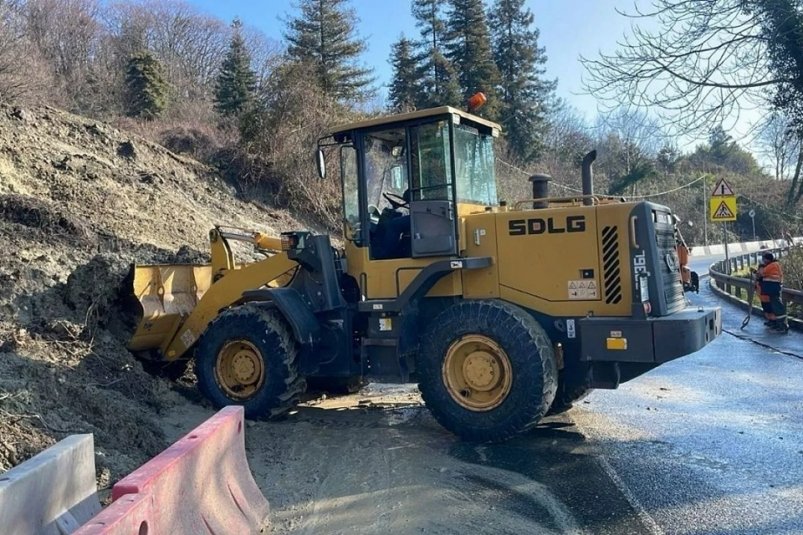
79 202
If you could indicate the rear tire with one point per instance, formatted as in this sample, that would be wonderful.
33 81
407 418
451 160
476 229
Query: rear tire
487 370
248 357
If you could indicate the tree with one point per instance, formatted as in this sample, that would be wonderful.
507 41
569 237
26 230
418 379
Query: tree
705 60
780 144
566 142
468 48
720 145
628 143
189 44
524 93
236 82
405 88
721 151
323 36
667 158
695 67
145 86
297 114
65 34
782 28
439 79
23 72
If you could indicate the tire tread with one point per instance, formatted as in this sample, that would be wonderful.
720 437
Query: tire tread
522 334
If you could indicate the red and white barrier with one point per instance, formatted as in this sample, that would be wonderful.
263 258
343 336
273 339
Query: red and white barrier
52 493
200 485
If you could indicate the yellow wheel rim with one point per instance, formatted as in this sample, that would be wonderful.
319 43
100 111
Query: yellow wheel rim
477 373
240 370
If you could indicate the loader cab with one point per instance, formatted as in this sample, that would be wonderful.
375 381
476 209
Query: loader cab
406 177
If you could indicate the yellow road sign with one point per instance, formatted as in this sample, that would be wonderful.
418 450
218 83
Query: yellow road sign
722 208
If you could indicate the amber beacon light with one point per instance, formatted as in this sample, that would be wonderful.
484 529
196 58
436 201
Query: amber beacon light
477 101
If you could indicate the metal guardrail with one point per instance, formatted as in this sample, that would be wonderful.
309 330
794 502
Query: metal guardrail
738 286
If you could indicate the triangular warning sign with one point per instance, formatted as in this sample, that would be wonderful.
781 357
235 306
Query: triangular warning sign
592 286
723 212
572 285
722 189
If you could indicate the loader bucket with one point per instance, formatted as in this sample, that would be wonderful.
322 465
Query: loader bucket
167 294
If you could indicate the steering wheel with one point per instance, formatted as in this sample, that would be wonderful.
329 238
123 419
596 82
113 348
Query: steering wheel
395 203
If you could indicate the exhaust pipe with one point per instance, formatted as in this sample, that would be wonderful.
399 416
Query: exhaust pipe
588 177
540 190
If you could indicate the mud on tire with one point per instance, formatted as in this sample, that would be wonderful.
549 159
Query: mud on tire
269 333
532 363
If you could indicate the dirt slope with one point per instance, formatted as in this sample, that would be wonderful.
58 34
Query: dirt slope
80 201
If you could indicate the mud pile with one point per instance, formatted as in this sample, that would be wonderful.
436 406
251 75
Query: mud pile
79 203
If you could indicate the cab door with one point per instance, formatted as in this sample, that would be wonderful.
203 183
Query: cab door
432 216
432 228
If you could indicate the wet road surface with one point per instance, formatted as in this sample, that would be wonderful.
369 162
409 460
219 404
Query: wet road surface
713 442
708 444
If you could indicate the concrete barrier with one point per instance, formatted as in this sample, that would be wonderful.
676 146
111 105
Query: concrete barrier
52 493
200 485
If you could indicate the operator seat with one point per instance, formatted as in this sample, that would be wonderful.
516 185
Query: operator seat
391 237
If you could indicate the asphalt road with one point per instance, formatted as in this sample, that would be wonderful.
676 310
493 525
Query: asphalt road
713 442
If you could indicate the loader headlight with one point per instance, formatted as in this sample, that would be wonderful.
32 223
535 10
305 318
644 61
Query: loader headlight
644 292
644 288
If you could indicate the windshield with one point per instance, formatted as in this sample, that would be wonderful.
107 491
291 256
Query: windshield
474 166
385 166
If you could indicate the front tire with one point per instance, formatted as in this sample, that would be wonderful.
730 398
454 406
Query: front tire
248 357
487 370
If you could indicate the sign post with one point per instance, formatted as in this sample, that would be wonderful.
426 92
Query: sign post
752 214
721 209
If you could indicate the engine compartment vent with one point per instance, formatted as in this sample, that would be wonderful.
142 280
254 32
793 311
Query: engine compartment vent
610 265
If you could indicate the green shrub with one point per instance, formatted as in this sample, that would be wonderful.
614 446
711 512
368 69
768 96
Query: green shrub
792 263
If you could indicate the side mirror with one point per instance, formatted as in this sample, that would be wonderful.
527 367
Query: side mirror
321 164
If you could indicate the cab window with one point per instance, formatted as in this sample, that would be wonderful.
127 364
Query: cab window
432 170
385 167
351 196
474 166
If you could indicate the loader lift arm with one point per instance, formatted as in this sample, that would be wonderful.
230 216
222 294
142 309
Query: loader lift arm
179 301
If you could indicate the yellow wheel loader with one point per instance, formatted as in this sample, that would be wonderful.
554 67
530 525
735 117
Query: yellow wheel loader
499 311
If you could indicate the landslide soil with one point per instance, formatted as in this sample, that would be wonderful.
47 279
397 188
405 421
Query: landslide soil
79 202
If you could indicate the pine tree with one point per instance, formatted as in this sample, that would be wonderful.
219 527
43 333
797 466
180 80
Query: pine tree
524 92
439 80
468 48
146 89
405 88
236 82
324 36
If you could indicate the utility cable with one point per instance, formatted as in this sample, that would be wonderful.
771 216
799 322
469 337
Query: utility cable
525 173
684 186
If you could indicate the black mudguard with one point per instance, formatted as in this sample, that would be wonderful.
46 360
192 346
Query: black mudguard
306 327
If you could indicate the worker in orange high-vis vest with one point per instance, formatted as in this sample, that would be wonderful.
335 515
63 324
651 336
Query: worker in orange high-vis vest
771 285
764 299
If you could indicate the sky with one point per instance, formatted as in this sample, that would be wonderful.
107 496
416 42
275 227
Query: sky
569 29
